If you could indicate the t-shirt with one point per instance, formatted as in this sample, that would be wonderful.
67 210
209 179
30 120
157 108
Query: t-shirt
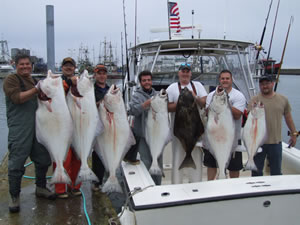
238 101
173 94
173 90
275 107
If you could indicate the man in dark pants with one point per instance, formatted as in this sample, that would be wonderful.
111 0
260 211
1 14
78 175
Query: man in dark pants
101 88
21 103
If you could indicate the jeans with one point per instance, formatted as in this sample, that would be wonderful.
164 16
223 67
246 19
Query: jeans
273 152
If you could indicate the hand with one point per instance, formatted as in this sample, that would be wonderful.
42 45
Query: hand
292 141
147 103
74 80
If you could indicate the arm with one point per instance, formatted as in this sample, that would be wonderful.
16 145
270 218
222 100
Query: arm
201 101
290 123
26 95
138 105
172 107
236 113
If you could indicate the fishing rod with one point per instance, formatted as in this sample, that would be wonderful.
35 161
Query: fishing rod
135 28
273 31
263 33
122 59
126 45
282 56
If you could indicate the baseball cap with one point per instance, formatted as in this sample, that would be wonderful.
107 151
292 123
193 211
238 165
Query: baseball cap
265 77
68 60
185 66
100 67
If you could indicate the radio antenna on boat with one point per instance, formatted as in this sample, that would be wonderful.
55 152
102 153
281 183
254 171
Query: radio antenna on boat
122 60
282 56
259 48
135 27
273 31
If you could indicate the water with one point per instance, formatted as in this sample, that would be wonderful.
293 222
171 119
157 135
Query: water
288 86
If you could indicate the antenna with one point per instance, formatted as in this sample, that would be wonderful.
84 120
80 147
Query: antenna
192 24
126 45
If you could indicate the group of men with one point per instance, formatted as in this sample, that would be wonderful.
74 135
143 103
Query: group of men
21 91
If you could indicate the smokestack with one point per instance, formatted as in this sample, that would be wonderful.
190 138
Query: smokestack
50 37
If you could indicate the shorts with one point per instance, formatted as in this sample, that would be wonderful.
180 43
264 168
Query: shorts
235 163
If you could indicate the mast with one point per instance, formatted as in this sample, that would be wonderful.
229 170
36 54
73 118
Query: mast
168 7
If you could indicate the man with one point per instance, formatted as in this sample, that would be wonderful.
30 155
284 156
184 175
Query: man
21 104
199 92
71 163
139 106
276 106
101 88
238 104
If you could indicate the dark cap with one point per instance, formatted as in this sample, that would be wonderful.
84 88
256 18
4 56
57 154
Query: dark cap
185 66
265 77
100 67
68 60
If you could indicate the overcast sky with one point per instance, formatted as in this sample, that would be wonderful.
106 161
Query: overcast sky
89 22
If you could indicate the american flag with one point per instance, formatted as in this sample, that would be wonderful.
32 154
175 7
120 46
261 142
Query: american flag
174 16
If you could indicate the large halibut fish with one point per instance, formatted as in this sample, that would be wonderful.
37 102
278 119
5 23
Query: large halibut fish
188 126
157 130
116 138
220 130
254 132
54 124
82 105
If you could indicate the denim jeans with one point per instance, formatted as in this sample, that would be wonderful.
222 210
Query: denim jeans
273 152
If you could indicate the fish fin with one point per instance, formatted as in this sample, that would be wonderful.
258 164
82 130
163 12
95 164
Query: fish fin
250 165
86 174
112 185
77 102
60 176
188 162
48 105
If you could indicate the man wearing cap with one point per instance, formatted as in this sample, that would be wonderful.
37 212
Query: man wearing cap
71 163
101 88
276 106
199 92
21 104
238 104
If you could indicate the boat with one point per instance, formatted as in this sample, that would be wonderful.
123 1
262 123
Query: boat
5 59
247 200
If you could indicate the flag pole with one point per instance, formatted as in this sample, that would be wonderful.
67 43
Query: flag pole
169 19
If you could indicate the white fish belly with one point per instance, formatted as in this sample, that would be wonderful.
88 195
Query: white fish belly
220 136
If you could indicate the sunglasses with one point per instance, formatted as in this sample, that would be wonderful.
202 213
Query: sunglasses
185 64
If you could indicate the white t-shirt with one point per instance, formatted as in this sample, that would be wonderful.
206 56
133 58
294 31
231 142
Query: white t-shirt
238 101
173 94
173 90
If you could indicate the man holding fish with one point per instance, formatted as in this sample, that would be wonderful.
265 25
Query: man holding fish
222 146
21 103
188 129
71 163
139 106
275 106
101 88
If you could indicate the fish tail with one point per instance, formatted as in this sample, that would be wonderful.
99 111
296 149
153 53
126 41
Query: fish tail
250 165
112 185
155 170
85 174
222 174
60 176
188 162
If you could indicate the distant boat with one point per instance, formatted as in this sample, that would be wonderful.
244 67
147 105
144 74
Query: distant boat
5 65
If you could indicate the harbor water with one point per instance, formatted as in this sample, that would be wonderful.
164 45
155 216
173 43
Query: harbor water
288 86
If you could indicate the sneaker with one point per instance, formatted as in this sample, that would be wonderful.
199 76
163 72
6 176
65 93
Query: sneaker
62 195
76 192
14 204
44 193
95 187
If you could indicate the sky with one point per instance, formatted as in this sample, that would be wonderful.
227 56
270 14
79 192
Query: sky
88 23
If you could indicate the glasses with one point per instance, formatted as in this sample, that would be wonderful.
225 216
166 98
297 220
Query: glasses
185 64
